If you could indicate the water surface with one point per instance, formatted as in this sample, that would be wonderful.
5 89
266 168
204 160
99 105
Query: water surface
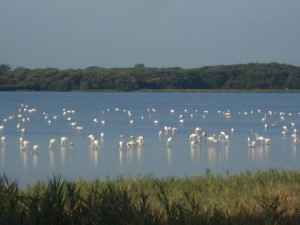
203 110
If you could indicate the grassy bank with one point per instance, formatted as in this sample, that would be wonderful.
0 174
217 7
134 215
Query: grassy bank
271 197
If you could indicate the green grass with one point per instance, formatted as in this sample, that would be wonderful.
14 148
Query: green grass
270 197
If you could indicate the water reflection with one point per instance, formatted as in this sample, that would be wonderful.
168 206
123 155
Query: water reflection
140 154
226 153
213 154
71 154
169 155
25 157
63 152
35 160
129 155
52 158
259 154
94 156
192 158
120 157
294 152
3 155
195 153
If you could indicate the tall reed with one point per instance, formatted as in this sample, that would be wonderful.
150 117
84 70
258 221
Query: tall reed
270 197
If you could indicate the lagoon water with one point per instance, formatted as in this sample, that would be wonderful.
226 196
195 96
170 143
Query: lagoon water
204 110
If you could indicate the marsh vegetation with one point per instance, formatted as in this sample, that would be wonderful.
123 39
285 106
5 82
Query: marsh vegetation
271 197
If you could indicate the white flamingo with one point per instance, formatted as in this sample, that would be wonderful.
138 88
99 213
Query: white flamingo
92 138
95 145
52 143
260 138
251 143
102 136
63 141
3 140
25 145
170 141
212 139
140 140
35 149
130 144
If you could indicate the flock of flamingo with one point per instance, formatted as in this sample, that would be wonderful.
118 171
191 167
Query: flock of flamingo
196 137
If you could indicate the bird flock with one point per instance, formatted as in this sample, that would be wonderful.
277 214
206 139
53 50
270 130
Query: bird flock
197 137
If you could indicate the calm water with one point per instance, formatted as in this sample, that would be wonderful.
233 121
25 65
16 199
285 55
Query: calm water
204 110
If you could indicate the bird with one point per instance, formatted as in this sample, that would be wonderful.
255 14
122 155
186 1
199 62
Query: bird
51 143
140 140
95 145
102 136
170 141
160 133
251 143
227 138
25 145
71 144
3 140
121 143
155 122
260 138
130 144
212 139
63 141
91 137
35 149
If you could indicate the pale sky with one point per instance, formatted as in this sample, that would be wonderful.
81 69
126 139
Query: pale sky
158 33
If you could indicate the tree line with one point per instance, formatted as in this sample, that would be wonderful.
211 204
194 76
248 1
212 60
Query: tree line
252 76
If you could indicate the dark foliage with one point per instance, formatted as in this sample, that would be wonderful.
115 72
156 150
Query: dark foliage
253 76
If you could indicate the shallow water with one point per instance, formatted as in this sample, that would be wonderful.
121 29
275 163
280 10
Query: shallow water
204 110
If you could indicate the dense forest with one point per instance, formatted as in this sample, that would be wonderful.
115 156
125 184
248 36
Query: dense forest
252 76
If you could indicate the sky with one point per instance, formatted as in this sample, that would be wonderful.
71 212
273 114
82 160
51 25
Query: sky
157 33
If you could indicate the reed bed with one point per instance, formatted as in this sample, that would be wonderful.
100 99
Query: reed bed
269 197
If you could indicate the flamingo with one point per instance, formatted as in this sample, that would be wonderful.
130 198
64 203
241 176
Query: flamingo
140 140
3 140
130 144
192 137
170 141
121 143
92 138
51 143
260 138
251 143
35 148
197 130
71 145
63 141
160 133
227 138
155 122
212 139
267 141
174 129
25 145
79 128
295 140
95 145
284 130
102 136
